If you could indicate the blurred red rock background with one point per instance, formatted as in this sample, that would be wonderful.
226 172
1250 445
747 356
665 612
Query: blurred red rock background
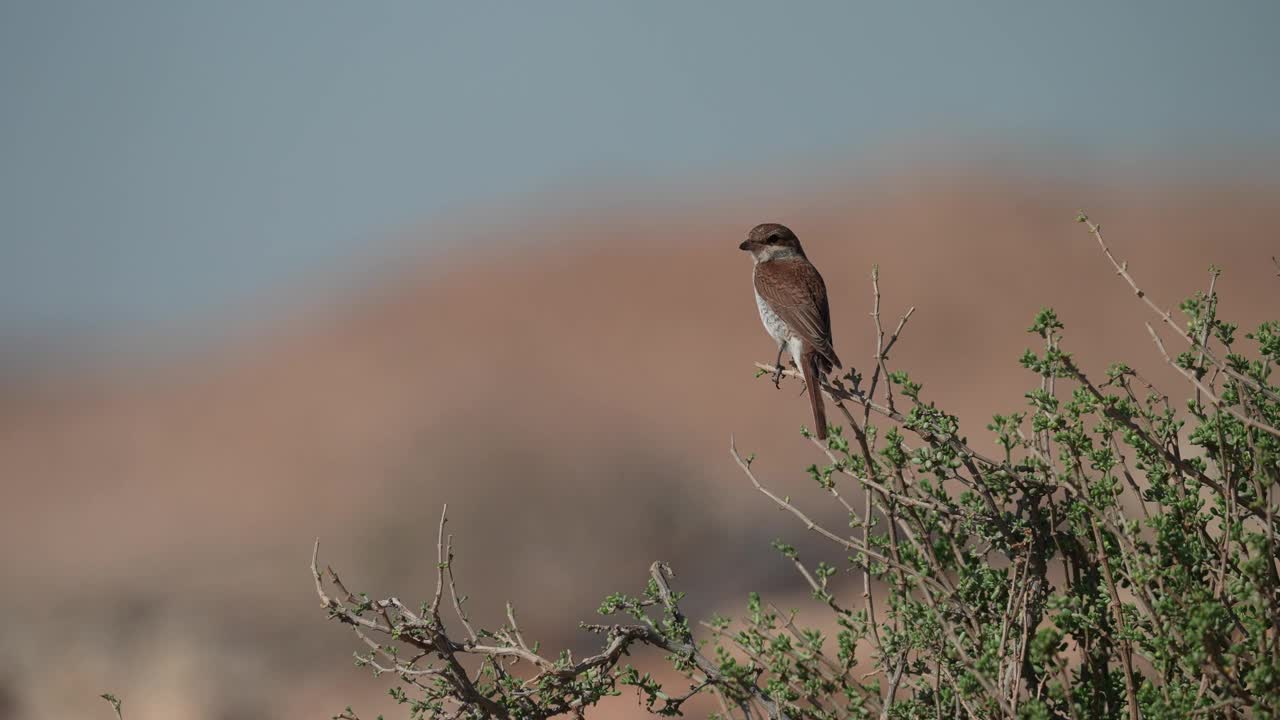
278 271
567 380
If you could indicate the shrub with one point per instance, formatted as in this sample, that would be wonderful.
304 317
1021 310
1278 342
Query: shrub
1117 557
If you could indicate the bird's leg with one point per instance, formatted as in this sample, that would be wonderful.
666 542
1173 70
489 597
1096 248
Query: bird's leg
777 373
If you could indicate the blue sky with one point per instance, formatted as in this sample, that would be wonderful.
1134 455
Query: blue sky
163 162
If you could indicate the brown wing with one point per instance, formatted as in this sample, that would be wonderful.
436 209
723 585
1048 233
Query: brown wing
795 291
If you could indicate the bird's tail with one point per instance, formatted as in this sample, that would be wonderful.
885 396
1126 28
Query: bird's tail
813 384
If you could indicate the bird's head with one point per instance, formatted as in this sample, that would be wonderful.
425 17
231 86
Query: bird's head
770 241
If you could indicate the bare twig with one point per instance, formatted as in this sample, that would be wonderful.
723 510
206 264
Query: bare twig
441 563
453 592
553 681
115 704
882 348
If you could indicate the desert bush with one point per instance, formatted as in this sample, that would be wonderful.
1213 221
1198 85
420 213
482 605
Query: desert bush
1115 556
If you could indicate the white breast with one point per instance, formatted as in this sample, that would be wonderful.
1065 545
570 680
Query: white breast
777 329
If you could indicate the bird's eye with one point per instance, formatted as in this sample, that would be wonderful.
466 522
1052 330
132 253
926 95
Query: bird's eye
774 239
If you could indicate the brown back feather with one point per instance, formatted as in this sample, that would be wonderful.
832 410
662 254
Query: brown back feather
795 291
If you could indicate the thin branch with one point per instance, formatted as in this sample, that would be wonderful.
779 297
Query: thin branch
882 348
453 592
1166 317
849 544
1117 609
1217 401
115 704
441 562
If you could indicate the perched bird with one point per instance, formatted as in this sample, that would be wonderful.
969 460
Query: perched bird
793 307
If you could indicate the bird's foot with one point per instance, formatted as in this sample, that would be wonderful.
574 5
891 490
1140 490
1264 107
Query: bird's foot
777 377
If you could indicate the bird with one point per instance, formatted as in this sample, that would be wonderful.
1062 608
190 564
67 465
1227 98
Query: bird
792 299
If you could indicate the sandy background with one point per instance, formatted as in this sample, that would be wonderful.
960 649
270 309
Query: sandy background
567 380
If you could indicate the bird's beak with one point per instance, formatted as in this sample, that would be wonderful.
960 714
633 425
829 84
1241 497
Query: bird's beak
746 245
